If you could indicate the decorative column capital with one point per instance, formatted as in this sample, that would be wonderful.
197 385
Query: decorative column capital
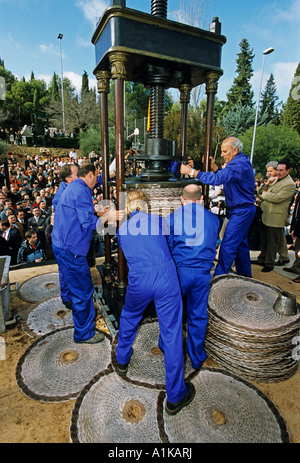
103 78
185 93
211 79
118 63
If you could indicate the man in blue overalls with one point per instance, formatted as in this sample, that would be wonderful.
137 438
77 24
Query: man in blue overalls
238 183
67 174
152 277
192 241
74 223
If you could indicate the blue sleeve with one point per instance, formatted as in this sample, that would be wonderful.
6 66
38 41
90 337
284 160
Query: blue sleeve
85 211
222 176
99 181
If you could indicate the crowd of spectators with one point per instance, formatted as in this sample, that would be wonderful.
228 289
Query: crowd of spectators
26 211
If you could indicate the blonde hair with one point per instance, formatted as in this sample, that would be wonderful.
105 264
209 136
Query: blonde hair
136 200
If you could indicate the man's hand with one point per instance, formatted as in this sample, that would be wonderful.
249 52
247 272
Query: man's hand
114 216
213 165
271 180
102 211
185 169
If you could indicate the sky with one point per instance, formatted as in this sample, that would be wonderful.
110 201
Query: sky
29 30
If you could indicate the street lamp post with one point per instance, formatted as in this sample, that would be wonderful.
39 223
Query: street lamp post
266 52
60 36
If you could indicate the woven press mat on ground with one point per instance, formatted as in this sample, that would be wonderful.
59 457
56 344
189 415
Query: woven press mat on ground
111 410
245 335
225 410
55 368
39 288
48 316
147 364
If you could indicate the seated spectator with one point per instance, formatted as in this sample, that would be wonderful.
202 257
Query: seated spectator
22 219
37 223
7 206
16 225
13 239
13 194
31 249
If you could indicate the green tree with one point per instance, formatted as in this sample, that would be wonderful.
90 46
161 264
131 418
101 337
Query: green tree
239 119
53 89
291 113
241 90
91 140
269 102
85 84
196 126
273 143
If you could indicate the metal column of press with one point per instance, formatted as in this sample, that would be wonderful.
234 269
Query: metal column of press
159 151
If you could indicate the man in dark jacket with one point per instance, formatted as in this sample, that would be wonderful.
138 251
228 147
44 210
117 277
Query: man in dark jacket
295 232
31 249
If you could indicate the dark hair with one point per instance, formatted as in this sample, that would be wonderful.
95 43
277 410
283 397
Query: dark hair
29 233
85 169
65 172
286 163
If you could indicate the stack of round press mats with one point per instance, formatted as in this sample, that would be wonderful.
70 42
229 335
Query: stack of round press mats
131 409
245 335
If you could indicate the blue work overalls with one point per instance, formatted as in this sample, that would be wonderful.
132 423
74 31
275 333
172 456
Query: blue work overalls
152 277
238 183
192 240
74 224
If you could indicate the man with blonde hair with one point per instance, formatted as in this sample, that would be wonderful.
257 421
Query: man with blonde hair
152 277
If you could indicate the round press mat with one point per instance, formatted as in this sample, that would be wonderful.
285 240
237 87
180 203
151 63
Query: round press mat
225 409
245 335
55 368
39 288
48 316
147 365
111 410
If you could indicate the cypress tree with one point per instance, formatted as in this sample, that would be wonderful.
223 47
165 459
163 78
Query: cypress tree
241 91
85 84
54 87
269 105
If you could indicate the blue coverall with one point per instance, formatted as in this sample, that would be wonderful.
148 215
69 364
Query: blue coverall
64 291
192 241
238 183
152 276
74 224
